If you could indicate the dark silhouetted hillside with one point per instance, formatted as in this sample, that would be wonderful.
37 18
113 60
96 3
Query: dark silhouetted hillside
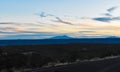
60 41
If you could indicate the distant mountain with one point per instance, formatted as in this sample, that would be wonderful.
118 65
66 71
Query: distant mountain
61 37
113 37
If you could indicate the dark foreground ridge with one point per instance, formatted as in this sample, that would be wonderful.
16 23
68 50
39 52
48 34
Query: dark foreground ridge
35 58
109 65
60 41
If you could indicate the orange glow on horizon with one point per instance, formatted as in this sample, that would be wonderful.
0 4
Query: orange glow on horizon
19 28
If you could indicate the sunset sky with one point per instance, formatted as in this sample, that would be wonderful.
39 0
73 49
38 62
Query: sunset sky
47 18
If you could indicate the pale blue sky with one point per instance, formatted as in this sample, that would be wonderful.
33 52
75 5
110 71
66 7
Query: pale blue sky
28 11
58 7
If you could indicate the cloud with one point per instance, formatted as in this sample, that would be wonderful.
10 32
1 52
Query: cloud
11 30
112 9
103 19
27 31
40 35
116 18
112 27
10 23
18 31
107 14
43 14
7 29
18 24
16 27
15 30
106 19
5 23
62 21
58 19
86 31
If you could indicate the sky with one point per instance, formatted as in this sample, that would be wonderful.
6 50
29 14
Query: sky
40 19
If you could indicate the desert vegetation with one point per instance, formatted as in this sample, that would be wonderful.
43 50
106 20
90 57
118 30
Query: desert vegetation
37 56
